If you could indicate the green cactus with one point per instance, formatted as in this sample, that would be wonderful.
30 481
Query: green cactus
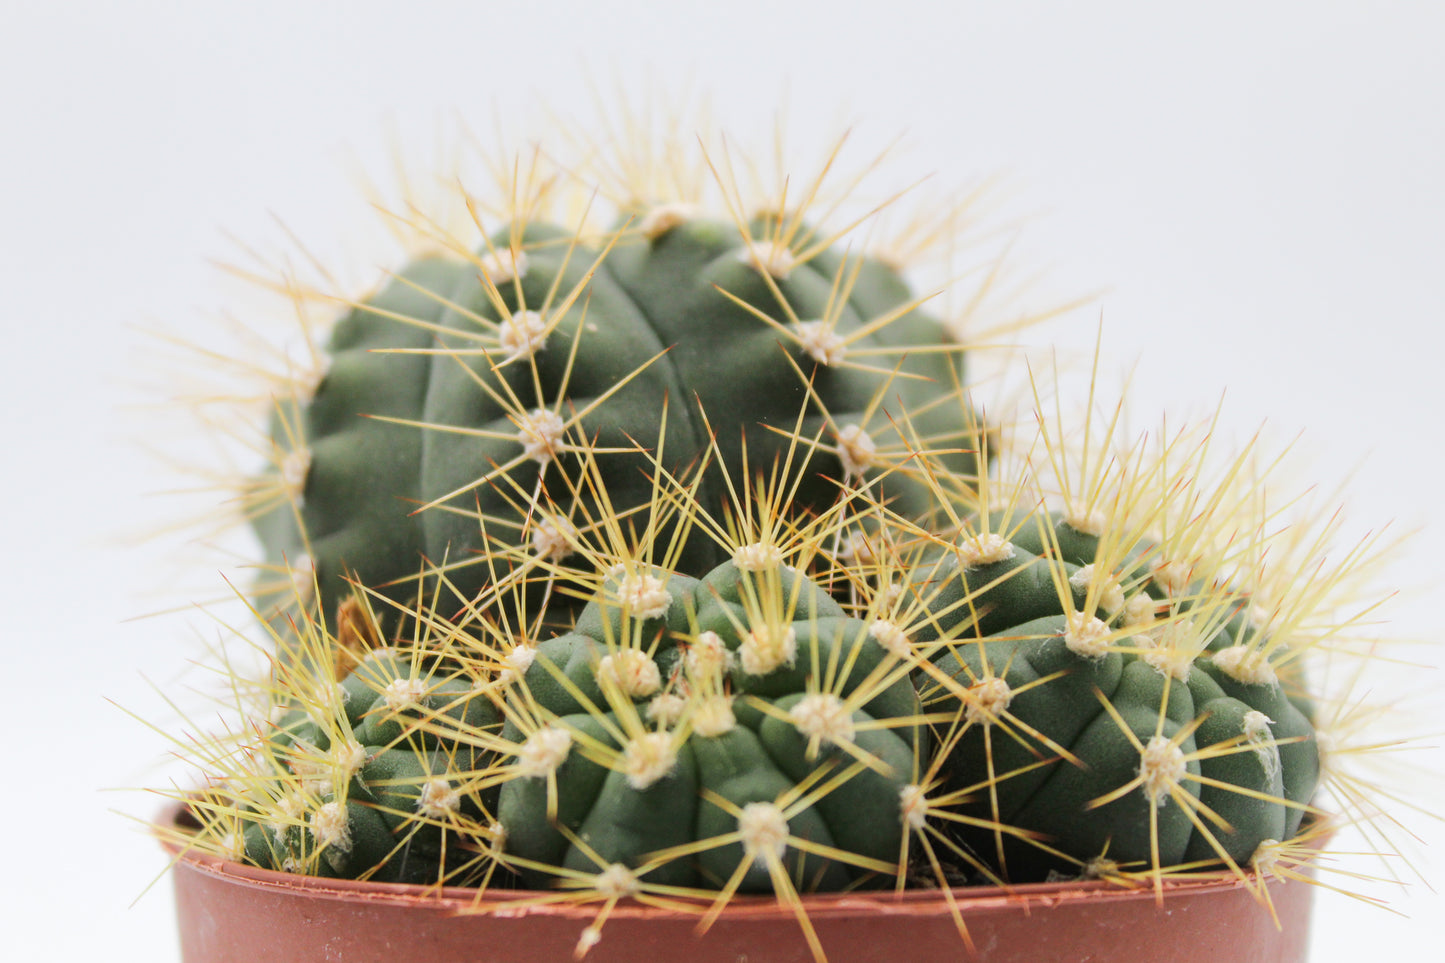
669 561
456 396
713 718
1112 704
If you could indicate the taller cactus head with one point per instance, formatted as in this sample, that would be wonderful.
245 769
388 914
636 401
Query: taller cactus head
455 401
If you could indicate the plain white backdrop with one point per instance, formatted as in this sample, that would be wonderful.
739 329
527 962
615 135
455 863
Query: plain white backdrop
1255 188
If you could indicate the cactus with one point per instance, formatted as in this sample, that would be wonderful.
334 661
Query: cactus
670 562
1118 692
458 397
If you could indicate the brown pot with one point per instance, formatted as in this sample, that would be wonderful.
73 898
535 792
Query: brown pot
229 913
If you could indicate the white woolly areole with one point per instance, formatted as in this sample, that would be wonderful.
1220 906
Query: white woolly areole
1161 766
615 882
823 716
292 806
498 833
1259 736
775 259
438 799
714 717
666 708
1171 648
1141 609
820 342
645 596
664 217
857 548
1087 636
552 539
232 846
329 826
707 657
892 637
986 700
522 335
632 671
348 756
544 751
295 466
767 647
519 660
757 557
913 806
1266 857
1087 522
648 758
1100 867
1176 663
856 450
504 265
1110 594
1172 577
763 829
541 435
1244 664
984 548
402 693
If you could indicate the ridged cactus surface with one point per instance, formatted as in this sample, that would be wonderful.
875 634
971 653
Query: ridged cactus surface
457 398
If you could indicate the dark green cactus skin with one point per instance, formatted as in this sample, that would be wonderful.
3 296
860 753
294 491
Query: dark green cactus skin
402 750
367 477
1019 640
754 762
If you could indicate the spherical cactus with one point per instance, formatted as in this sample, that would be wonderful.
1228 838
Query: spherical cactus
454 403
1115 701
736 730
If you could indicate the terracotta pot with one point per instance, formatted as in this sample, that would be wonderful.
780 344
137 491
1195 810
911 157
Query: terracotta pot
229 913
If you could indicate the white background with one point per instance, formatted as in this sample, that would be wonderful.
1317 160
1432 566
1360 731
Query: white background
1255 187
